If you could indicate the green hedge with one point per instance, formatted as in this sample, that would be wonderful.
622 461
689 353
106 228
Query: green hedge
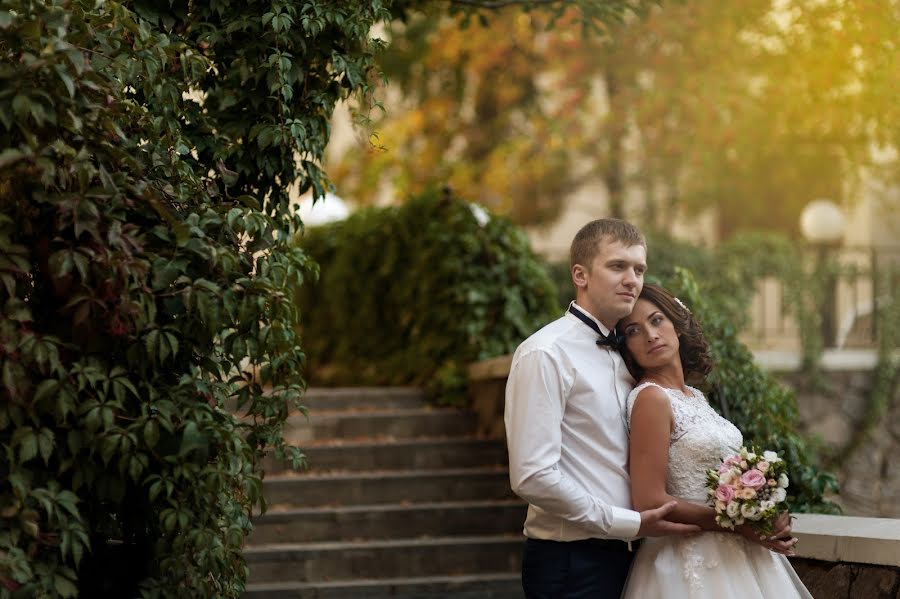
718 285
764 410
412 294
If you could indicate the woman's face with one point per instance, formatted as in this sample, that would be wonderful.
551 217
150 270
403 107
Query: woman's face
649 335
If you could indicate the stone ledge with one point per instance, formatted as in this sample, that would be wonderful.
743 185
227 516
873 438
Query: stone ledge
492 368
835 360
848 539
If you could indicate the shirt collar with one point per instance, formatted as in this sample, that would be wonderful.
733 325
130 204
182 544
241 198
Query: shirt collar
589 315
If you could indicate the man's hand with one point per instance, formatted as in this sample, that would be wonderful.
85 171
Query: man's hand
654 524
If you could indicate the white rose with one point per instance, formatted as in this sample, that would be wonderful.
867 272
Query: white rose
778 495
732 509
783 481
750 512
766 504
771 457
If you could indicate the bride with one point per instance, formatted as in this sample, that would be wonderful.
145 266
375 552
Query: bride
675 438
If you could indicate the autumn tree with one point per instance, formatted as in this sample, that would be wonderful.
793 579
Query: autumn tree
752 108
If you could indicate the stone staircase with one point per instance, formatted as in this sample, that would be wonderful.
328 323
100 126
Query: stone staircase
401 500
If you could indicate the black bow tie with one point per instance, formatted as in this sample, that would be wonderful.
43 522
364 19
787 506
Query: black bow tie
614 340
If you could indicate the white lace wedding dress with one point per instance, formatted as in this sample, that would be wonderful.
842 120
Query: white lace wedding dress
710 565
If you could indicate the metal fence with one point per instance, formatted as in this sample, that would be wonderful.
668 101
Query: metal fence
864 279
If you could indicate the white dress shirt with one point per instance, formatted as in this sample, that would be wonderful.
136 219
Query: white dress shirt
567 436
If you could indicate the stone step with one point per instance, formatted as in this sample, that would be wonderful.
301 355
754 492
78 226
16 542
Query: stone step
499 585
394 423
460 452
382 559
347 523
390 486
382 398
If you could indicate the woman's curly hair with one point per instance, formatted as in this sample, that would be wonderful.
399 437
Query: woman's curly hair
693 347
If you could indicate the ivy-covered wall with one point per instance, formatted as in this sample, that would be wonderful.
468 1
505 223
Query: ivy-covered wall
861 453
764 410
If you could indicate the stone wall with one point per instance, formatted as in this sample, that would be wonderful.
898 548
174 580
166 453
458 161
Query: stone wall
830 580
834 411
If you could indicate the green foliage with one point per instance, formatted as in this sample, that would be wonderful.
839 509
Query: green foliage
728 272
561 276
886 377
731 272
764 410
413 294
718 285
145 270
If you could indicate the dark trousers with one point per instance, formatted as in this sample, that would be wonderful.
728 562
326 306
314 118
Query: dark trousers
586 569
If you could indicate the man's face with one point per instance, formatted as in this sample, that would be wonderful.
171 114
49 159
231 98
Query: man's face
609 289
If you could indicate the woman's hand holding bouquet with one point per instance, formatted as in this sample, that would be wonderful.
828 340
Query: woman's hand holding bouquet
749 492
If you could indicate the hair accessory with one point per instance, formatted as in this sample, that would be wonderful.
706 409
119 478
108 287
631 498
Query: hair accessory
681 303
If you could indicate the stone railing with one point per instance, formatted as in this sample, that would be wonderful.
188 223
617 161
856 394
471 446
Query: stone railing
838 557
842 557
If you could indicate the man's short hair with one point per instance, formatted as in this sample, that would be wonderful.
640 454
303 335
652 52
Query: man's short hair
586 244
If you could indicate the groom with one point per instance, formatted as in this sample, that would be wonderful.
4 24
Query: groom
566 430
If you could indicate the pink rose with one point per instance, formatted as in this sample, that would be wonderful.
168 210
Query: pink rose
725 493
724 468
733 460
753 479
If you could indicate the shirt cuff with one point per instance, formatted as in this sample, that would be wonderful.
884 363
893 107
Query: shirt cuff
625 523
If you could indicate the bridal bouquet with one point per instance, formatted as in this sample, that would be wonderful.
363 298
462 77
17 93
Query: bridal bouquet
748 487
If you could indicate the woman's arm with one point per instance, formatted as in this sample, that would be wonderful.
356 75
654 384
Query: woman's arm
651 427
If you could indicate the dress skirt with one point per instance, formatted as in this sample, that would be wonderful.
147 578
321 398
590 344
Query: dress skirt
711 565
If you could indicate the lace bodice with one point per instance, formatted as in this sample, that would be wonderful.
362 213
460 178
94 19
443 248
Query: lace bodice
700 439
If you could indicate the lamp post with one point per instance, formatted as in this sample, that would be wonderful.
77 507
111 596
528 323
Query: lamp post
822 224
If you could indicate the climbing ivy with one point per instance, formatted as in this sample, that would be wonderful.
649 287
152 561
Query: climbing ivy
146 277
886 375
764 410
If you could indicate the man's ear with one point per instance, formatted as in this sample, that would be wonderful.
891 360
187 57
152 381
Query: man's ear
579 276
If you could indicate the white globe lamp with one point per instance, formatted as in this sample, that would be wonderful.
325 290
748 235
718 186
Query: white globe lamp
822 222
327 209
